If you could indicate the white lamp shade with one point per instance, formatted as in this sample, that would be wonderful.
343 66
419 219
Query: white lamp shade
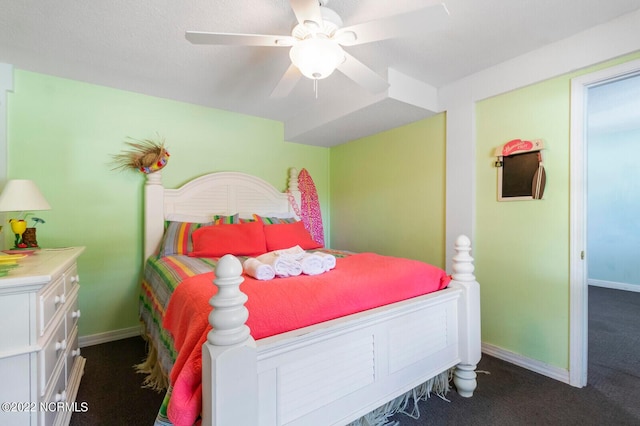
21 195
316 58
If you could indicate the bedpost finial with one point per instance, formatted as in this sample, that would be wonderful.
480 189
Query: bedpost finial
293 179
463 241
228 267
229 314
462 260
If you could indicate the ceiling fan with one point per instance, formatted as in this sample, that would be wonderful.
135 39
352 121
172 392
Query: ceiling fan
318 37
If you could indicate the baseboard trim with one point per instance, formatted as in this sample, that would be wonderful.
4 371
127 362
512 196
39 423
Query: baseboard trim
108 336
614 285
539 367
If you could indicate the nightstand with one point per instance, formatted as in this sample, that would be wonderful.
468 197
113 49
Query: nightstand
40 362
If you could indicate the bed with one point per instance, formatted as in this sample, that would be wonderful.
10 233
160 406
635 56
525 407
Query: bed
328 371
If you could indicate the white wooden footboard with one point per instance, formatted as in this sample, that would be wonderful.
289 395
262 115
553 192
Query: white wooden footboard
334 372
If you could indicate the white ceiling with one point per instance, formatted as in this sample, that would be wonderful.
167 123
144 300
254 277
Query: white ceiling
140 46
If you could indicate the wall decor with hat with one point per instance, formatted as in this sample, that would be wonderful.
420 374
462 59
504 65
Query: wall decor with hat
521 174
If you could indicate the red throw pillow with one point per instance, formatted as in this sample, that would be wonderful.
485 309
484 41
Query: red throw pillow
285 235
243 239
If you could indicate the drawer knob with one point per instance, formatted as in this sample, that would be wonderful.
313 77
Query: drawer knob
75 352
60 299
61 396
61 345
75 314
75 278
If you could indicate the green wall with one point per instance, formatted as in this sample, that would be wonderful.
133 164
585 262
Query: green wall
522 247
388 192
62 134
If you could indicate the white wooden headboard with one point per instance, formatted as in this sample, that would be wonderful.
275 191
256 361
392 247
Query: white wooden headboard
223 193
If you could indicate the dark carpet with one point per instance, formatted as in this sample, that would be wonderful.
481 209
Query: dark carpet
507 395
112 389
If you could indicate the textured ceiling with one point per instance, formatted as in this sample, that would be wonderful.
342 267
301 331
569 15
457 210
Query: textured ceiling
140 46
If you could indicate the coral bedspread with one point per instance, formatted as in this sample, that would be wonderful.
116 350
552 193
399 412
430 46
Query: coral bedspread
358 282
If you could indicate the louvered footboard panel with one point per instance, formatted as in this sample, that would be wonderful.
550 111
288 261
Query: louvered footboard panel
419 334
318 380
335 373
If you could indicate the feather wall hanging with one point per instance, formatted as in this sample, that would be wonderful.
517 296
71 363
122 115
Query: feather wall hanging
146 156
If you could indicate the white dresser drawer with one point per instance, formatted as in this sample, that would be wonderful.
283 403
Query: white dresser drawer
72 279
73 350
73 313
51 355
57 392
50 300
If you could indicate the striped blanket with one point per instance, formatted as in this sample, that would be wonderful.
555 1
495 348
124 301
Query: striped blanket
161 277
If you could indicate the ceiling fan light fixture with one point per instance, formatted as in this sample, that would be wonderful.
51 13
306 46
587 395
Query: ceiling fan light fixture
316 58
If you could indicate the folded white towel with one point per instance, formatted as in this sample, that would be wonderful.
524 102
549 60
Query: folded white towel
295 252
284 266
258 270
312 264
328 260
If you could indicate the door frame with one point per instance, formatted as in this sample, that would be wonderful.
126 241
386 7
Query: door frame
578 289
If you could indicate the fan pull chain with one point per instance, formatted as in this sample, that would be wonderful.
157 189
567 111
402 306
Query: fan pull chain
315 87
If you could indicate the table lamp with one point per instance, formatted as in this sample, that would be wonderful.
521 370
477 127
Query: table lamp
22 196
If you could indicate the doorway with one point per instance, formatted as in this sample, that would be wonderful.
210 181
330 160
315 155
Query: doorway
578 299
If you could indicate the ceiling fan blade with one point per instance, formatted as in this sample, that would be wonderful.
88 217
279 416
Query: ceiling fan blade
287 82
363 75
431 17
307 10
197 37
